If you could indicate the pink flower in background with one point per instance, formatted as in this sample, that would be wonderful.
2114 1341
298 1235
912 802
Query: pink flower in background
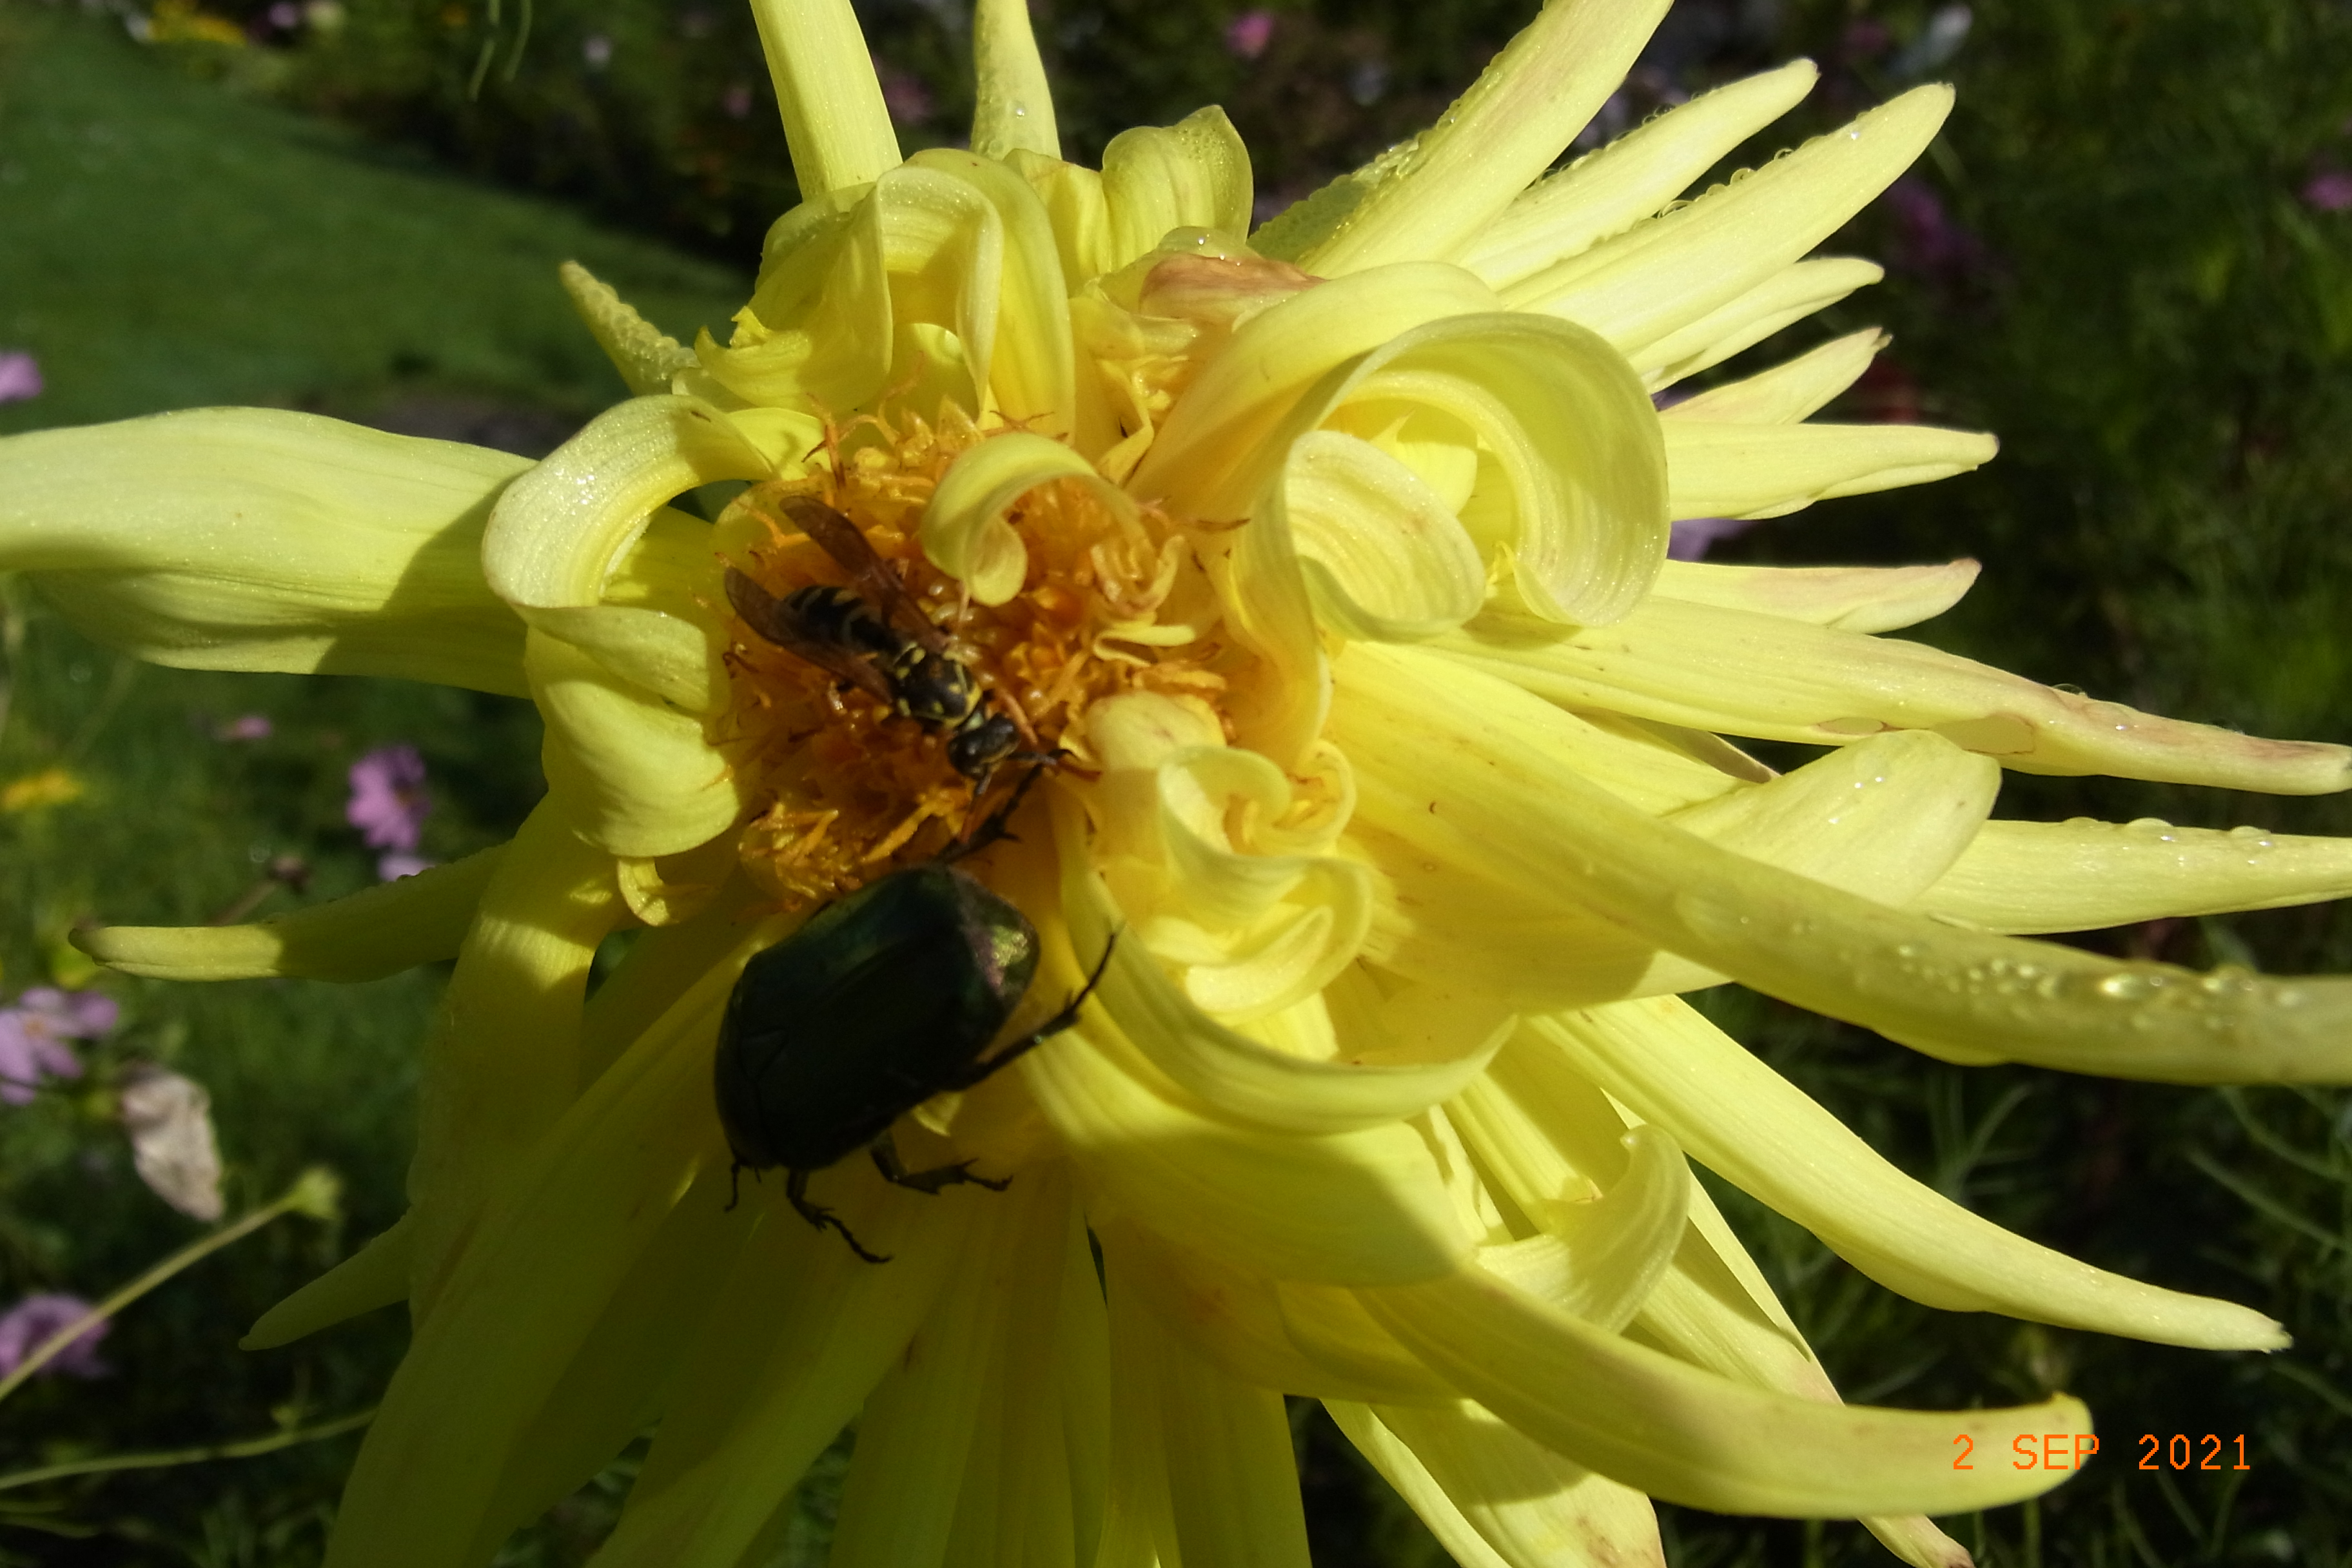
2328 192
26 1325
1247 35
388 803
33 1035
1692 537
1927 240
393 865
908 102
736 101
246 727
20 377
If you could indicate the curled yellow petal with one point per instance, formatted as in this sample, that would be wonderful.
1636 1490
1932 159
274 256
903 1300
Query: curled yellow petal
637 774
964 530
1194 175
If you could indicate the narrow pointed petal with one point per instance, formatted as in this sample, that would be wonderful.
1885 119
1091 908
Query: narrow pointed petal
502 1064
1685 1435
1825 687
617 1381
1015 108
1788 296
376 931
1481 785
1672 1067
1607 191
835 119
645 357
1768 471
525 1294
1787 393
1665 275
2028 877
375 1276
1512 1500
1233 1486
801 1330
1849 598
260 539
1524 107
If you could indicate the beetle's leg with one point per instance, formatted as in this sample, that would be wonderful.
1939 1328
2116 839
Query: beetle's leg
824 1218
1053 1026
894 1171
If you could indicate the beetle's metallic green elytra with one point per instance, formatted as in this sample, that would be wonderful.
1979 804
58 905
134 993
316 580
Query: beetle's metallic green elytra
882 1000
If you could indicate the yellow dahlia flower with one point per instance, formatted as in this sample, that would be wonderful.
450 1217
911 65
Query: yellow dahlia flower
1327 563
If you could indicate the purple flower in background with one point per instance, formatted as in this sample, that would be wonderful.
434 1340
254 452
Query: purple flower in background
2328 192
392 866
20 375
26 1325
736 101
1692 537
1247 35
1927 239
33 1035
388 803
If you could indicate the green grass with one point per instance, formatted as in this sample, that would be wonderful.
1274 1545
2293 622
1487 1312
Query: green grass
169 244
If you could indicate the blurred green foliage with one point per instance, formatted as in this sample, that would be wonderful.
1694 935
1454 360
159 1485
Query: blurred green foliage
2117 257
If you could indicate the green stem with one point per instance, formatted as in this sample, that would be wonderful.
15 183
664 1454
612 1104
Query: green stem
245 1448
313 1192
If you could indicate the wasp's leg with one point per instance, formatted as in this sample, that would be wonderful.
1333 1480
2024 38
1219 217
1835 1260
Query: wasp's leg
824 1218
1060 1021
894 1171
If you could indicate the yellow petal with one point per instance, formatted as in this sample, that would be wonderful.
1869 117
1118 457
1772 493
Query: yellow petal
1787 393
2023 877
636 774
963 530
835 119
1672 1067
1685 1435
1225 1445
1669 660
1194 175
376 931
1850 598
1784 299
375 1276
803 1328
260 539
645 357
1412 1062
1767 470
501 1063
1957 993
1352 1205
1491 1496
1024 364
1524 107
1635 177
524 1296
1598 1259
1015 106
674 659
1382 555
1667 274
559 532
618 1380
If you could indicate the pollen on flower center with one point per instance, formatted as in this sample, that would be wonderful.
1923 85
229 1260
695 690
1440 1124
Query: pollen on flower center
845 784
